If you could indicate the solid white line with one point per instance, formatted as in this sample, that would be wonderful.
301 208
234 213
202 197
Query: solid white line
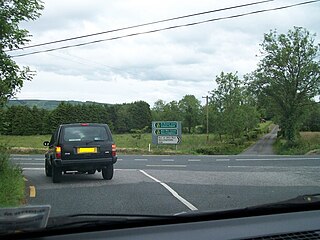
39 164
118 169
276 159
222 160
270 167
36 169
27 159
166 165
173 192
194 160
141 159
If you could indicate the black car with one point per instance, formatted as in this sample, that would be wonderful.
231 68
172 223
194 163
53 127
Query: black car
82 147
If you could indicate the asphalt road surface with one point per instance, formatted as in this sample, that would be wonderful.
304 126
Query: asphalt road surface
173 184
264 145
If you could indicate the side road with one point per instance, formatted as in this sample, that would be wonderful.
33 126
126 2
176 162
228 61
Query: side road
264 145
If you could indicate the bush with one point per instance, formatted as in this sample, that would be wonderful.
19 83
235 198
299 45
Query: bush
12 186
4 159
218 150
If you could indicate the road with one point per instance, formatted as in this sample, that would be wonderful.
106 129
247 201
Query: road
173 184
264 145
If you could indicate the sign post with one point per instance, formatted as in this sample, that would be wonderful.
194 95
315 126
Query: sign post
166 132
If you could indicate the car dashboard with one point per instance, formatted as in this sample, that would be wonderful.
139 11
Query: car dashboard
294 225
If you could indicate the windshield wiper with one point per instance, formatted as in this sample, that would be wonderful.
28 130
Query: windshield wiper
102 220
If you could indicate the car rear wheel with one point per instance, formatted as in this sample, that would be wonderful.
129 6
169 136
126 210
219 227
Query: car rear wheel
48 169
56 174
107 172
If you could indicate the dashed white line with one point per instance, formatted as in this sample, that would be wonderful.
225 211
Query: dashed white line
222 160
194 160
167 160
141 159
173 192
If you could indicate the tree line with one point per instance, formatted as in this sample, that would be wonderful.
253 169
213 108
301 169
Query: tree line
232 112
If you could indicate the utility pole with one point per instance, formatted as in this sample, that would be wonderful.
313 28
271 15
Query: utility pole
207 106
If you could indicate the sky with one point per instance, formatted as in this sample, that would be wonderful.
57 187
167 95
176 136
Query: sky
164 65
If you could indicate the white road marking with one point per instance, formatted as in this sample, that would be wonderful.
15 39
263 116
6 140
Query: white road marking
27 159
38 164
277 159
194 160
35 169
276 167
167 160
182 166
120 159
173 192
141 159
222 160
118 169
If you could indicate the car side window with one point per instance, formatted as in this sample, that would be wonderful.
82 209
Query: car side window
53 138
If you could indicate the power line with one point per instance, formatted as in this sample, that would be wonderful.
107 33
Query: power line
141 25
167 28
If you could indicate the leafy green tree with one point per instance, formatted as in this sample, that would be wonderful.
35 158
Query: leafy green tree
288 77
190 109
140 115
157 110
12 13
312 121
232 107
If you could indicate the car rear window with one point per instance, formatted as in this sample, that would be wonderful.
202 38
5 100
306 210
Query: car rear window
85 133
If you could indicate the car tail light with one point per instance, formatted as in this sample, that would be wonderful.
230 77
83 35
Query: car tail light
114 150
58 152
84 124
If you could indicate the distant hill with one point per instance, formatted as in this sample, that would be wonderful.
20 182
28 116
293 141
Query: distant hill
45 104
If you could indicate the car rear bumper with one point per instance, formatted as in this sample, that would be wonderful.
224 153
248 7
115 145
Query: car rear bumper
96 163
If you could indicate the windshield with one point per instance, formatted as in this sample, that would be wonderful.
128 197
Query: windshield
166 106
76 134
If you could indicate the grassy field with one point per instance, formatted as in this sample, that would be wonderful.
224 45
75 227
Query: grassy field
126 144
309 143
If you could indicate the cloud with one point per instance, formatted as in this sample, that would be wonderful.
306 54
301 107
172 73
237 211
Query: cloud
164 65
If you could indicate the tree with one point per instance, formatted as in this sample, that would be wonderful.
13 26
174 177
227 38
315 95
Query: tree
140 115
232 108
12 12
190 109
288 77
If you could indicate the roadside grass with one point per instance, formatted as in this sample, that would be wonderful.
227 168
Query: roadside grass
12 185
309 143
126 144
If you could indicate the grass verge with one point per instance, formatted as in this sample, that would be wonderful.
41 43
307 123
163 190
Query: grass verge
309 143
12 185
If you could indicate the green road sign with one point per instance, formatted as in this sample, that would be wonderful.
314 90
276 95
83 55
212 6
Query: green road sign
166 132
166 124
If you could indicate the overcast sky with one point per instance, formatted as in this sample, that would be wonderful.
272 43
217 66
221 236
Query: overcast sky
164 65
